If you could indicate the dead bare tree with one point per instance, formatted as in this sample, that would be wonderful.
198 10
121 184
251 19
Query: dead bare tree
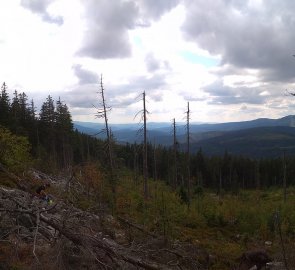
174 155
102 113
188 154
144 113
145 165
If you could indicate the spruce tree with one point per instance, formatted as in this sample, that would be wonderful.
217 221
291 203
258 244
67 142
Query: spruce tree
4 106
64 128
24 108
47 128
15 113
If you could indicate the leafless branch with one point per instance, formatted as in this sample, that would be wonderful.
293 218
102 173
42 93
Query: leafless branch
36 233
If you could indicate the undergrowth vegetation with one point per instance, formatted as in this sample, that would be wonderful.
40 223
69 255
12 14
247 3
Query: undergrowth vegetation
226 225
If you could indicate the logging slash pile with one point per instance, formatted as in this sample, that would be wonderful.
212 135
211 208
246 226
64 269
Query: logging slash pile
35 235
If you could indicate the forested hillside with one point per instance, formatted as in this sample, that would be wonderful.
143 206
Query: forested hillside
54 145
194 204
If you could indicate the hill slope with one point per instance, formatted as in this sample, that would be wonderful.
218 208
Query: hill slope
257 138
254 142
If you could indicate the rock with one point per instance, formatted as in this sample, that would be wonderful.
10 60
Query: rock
268 243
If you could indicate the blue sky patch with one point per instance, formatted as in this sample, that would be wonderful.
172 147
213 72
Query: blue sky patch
138 42
199 59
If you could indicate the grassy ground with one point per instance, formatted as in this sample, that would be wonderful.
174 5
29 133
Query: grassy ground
225 227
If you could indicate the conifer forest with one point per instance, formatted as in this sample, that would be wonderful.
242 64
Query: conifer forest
134 206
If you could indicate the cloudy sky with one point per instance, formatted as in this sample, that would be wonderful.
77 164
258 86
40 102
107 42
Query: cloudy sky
231 59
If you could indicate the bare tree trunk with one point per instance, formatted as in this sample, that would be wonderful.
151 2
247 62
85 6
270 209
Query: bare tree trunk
145 168
188 155
103 114
174 155
106 126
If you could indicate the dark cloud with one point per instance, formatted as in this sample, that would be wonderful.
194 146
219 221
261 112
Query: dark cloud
150 83
155 10
221 94
120 95
191 97
82 96
196 99
152 63
156 96
85 95
108 23
40 7
85 76
277 104
246 35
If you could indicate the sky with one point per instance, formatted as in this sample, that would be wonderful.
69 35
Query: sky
232 60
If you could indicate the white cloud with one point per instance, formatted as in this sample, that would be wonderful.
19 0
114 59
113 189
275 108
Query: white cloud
232 63
41 8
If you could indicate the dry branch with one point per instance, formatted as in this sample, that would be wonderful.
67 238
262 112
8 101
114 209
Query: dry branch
105 250
138 227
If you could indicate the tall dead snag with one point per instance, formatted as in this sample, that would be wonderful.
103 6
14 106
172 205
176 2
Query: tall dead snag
174 155
102 113
188 155
145 166
143 129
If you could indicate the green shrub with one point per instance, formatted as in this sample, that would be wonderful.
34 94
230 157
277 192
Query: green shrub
14 150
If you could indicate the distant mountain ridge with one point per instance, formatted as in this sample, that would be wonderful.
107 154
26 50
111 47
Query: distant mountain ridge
255 142
256 138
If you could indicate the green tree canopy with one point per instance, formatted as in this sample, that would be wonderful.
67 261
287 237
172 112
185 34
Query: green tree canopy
14 150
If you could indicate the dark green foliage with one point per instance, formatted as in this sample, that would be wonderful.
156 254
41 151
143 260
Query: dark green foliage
215 219
234 172
4 106
54 143
14 150
199 191
183 194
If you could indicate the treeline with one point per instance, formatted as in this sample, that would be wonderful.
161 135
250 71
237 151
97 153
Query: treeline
222 173
54 142
55 145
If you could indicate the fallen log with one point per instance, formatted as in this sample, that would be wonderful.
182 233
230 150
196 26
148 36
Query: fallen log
136 226
96 244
